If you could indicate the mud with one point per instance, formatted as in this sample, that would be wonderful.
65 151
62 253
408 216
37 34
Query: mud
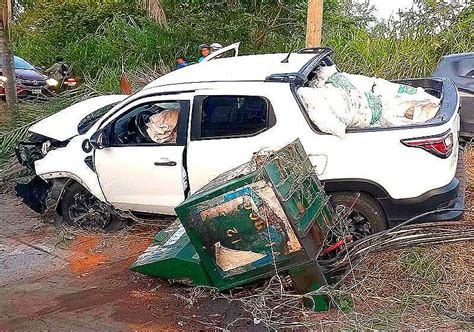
59 279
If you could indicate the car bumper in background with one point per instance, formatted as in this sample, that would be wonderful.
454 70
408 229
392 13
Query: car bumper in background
450 196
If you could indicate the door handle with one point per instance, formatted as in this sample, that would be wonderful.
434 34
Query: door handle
165 163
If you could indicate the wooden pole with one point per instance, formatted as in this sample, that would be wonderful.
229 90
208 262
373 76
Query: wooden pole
314 23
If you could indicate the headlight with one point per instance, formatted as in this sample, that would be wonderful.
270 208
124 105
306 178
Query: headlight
51 82
45 147
3 79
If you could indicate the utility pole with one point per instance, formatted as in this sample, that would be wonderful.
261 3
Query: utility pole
8 66
314 23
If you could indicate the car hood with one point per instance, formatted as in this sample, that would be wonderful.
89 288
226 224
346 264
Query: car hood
63 125
32 75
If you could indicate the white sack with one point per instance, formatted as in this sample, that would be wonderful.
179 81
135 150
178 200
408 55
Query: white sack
322 74
337 101
320 112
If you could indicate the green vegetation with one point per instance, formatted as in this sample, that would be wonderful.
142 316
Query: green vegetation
102 37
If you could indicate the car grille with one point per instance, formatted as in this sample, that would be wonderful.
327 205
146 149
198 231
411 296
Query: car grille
33 83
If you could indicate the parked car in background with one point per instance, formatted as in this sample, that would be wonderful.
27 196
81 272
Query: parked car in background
460 68
30 82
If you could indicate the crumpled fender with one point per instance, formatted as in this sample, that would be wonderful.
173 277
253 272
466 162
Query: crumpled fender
69 162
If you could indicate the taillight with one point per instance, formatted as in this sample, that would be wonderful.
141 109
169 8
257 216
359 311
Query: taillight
70 82
439 145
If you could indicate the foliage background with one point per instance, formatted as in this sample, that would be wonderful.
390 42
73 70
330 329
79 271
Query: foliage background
102 37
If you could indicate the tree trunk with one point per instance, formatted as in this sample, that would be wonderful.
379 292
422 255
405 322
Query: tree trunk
8 67
154 9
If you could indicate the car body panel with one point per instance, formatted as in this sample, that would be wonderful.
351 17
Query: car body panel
460 69
63 125
69 162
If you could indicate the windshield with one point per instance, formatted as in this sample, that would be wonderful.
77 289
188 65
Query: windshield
21 64
92 118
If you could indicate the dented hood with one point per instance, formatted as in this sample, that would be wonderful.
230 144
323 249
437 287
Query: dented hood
63 124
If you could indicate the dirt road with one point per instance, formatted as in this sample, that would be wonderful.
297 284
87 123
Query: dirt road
52 279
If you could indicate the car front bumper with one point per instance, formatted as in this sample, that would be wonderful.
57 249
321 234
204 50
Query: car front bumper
449 197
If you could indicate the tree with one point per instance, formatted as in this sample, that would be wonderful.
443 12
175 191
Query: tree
8 67
154 9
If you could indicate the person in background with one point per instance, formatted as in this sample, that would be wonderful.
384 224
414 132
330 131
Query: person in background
58 70
215 47
205 51
181 63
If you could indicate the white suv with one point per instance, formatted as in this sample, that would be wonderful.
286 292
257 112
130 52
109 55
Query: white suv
227 109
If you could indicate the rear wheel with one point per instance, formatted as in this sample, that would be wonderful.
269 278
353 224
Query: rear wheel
83 210
360 214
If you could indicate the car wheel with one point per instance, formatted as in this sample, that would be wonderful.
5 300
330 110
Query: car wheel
360 214
83 210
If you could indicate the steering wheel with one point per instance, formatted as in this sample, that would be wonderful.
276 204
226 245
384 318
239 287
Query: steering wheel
140 124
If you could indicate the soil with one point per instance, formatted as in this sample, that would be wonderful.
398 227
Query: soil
52 278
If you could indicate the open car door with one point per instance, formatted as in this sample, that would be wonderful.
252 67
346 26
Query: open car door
225 52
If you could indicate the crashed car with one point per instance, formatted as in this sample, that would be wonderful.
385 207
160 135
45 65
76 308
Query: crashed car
151 150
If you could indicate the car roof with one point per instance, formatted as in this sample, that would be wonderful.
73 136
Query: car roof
240 68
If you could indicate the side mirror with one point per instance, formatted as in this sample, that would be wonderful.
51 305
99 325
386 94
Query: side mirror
98 139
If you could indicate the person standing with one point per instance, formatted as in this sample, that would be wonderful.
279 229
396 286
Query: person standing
205 50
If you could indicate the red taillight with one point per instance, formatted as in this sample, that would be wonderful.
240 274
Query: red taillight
70 82
439 145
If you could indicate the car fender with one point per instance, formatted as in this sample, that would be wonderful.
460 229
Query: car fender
70 162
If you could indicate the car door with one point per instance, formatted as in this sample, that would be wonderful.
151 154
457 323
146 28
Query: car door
141 166
226 129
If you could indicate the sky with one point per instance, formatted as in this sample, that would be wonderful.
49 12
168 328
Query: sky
384 8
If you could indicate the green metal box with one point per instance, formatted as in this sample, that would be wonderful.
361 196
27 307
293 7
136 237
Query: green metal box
265 216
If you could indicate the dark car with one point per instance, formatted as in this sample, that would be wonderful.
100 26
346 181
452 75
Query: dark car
29 81
460 68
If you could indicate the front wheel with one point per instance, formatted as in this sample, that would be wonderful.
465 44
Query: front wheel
360 214
83 210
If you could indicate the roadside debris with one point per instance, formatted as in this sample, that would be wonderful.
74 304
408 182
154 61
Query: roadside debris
265 217
336 101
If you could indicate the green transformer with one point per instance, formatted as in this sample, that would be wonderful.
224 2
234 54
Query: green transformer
264 217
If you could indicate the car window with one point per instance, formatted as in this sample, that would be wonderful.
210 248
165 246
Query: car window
92 118
150 123
233 116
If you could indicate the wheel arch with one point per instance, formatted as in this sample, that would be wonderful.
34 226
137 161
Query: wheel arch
371 188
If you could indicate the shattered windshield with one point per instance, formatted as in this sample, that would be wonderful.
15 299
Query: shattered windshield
92 118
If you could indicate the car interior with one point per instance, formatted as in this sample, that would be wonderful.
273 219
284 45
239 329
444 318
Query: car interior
134 127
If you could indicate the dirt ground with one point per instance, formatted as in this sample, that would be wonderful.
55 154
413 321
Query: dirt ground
52 278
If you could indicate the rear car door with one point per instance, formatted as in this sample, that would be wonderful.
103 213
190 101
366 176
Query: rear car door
226 129
141 168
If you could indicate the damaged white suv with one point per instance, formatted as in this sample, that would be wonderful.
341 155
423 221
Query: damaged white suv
145 153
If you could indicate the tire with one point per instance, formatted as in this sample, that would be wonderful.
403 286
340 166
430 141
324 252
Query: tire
82 210
362 204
